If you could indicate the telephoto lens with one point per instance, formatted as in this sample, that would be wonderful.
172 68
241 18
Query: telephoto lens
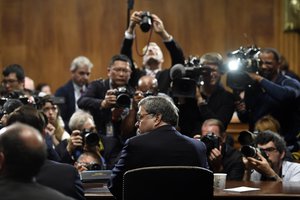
249 151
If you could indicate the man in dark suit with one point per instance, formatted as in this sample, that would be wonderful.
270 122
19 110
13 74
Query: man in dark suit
152 54
101 100
22 153
80 73
61 177
158 142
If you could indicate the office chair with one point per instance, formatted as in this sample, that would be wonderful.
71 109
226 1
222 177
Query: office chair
168 183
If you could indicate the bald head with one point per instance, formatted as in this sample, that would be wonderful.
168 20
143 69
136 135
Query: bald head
147 83
22 152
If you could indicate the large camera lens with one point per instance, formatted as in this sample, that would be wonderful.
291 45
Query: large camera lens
123 101
94 166
249 151
90 138
246 138
146 21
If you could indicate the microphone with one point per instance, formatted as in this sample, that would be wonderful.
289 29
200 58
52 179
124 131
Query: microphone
130 4
177 71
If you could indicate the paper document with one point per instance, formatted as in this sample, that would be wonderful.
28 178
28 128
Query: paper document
241 189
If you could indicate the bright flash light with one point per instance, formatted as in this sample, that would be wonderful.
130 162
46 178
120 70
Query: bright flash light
234 65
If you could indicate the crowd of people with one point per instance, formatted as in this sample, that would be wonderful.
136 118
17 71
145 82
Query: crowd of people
133 119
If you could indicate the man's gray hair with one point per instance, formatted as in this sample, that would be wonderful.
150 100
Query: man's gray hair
163 106
81 61
78 119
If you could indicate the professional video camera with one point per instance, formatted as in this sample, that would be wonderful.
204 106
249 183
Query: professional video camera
146 22
90 138
241 61
211 141
123 97
188 76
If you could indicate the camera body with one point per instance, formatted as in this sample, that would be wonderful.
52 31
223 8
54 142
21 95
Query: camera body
146 22
90 138
251 151
123 97
188 76
240 61
93 166
211 141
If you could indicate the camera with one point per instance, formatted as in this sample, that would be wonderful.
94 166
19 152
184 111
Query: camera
247 138
251 151
89 137
149 93
146 21
241 61
211 141
123 97
93 166
188 76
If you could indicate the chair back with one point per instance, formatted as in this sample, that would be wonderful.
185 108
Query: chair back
168 183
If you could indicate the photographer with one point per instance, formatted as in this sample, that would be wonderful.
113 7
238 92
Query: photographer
272 93
271 166
152 54
101 100
84 138
222 158
211 99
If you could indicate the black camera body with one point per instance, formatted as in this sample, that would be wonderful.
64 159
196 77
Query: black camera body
93 166
251 151
90 138
240 61
211 141
146 22
188 76
123 97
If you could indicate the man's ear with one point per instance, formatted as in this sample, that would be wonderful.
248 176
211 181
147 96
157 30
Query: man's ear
282 155
157 120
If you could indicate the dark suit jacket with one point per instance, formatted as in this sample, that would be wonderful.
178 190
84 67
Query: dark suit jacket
163 77
61 177
68 108
161 147
16 190
91 101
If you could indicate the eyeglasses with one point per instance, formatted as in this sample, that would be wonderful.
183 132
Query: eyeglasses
119 70
268 150
140 117
9 81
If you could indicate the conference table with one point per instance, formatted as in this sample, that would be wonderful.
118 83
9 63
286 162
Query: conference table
267 190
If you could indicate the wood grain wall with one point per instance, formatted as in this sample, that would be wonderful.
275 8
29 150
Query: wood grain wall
45 35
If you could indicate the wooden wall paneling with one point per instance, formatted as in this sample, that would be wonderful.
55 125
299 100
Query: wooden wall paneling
44 36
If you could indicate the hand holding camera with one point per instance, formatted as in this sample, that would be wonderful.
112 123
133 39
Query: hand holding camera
260 164
74 142
109 99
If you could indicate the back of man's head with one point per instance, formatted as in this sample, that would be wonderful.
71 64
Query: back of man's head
160 105
29 115
22 152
